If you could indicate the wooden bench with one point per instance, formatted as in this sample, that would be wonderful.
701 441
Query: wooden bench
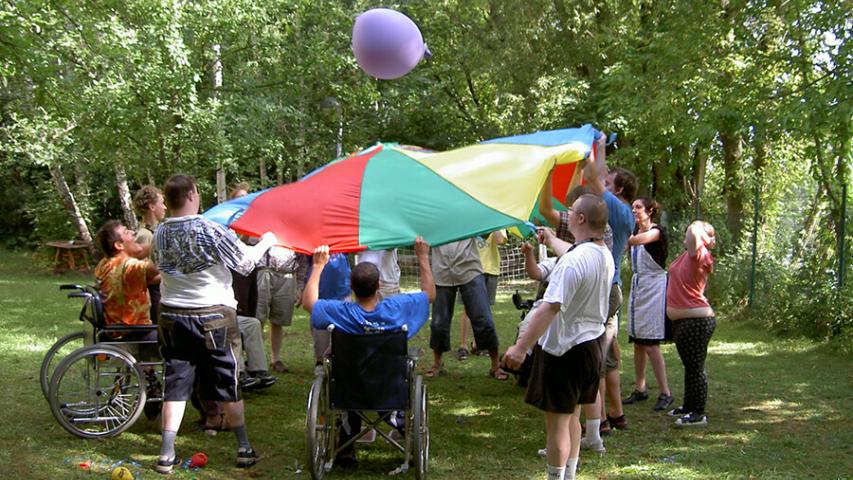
67 252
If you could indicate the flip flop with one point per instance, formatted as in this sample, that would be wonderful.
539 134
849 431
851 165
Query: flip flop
498 374
435 371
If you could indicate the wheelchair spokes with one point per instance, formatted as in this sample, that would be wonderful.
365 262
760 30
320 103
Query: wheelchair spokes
97 392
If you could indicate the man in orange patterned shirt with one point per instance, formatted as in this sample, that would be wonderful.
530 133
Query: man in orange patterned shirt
123 278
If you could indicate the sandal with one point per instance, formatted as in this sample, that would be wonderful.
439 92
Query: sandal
435 371
498 374
278 367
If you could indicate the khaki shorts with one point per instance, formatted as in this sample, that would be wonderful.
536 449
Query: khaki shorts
276 297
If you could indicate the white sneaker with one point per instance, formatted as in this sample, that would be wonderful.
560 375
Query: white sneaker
597 447
542 452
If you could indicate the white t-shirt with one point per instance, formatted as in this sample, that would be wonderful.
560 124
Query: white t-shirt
580 283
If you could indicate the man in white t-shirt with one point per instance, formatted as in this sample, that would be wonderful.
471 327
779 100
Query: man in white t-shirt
565 331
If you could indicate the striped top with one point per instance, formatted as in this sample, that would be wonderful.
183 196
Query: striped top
193 255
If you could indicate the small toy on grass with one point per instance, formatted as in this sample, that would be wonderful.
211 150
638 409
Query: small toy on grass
121 473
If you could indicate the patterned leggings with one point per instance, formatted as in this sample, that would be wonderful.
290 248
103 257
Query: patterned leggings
691 339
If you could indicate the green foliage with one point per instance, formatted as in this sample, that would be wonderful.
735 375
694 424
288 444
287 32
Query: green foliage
87 87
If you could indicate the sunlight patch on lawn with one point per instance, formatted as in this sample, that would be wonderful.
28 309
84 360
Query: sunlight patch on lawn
783 410
652 469
23 343
471 411
738 348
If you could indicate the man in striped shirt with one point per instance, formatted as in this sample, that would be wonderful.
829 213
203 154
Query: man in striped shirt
198 325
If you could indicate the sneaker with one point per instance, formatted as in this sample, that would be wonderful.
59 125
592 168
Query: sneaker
597 447
619 423
248 383
636 396
542 452
264 378
246 458
664 402
692 420
678 412
462 354
165 467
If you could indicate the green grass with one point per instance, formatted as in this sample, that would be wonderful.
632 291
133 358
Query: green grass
777 409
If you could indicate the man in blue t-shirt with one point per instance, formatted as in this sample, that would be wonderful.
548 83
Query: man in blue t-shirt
367 314
617 187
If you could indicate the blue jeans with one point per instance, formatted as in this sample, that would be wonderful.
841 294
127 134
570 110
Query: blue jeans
476 301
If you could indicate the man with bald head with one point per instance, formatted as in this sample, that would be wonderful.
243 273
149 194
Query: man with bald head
564 333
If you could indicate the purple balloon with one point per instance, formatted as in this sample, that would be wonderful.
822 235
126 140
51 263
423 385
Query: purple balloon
386 43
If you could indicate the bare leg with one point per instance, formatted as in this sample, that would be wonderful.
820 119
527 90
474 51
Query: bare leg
614 393
172 415
558 438
463 330
640 368
659 367
276 334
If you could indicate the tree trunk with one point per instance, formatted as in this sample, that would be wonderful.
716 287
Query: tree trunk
700 164
217 84
71 205
124 198
733 185
262 167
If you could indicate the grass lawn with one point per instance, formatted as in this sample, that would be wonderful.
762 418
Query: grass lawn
777 409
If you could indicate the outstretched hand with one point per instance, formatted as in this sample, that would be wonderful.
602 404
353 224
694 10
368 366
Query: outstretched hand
421 246
321 256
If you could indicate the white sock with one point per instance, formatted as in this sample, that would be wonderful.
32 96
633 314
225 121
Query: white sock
571 468
593 436
557 473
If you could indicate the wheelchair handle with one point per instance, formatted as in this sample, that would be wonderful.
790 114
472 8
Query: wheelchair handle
69 286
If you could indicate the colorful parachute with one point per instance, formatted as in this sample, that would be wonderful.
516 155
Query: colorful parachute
386 195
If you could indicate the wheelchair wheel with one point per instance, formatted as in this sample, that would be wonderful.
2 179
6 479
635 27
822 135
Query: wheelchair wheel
420 428
97 392
318 428
61 349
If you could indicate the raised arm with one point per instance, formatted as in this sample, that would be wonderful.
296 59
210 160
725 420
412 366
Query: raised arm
427 280
546 236
312 286
546 207
530 262
595 170
653 235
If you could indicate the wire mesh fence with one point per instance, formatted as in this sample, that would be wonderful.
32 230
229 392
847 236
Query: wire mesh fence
512 275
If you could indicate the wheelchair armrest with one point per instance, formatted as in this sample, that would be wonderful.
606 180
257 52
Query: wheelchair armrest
69 286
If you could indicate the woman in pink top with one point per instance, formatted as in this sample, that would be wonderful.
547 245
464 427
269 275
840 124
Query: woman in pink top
692 318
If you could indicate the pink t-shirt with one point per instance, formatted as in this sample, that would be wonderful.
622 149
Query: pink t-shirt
687 278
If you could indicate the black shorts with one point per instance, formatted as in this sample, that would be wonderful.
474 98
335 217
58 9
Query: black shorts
203 342
560 384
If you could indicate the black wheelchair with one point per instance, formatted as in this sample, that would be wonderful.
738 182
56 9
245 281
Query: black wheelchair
92 379
372 375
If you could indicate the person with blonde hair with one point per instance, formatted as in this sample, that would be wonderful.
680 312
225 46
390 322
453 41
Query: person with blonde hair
693 320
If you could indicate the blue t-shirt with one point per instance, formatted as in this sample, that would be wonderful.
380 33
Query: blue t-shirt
410 309
334 281
621 221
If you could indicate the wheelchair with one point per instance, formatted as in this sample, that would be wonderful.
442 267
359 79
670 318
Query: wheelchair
93 381
368 374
